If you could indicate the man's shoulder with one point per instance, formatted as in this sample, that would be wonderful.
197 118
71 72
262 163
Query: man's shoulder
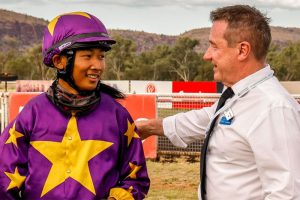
273 93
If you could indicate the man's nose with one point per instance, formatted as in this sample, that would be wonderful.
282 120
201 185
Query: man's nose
207 55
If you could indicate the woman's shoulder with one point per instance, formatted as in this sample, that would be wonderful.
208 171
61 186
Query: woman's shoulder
107 99
38 99
38 102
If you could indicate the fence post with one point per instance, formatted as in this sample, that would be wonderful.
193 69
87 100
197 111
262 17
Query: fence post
3 111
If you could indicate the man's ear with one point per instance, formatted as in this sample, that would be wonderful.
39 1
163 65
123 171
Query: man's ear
244 50
59 62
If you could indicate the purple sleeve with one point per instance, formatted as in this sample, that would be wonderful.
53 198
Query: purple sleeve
133 176
13 161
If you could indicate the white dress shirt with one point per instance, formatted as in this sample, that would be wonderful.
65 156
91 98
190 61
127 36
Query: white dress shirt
256 154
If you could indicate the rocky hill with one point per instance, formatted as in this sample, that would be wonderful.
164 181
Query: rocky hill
18 30
280 36
21 31
144 41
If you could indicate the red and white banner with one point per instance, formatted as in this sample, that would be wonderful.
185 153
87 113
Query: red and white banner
194 87
123 86
32 85
137 87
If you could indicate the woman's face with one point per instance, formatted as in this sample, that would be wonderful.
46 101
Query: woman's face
88 67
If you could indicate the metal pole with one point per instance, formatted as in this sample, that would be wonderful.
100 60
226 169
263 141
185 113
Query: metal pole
2 112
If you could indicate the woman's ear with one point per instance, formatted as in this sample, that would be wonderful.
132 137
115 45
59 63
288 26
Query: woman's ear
59 61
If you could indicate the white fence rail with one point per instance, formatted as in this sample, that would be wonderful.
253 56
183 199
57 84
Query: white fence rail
167 104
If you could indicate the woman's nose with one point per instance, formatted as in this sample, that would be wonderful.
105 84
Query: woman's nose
97 63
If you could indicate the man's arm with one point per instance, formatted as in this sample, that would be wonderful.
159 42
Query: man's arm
150 127
181 129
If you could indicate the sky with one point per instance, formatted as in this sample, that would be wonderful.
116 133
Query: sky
168 17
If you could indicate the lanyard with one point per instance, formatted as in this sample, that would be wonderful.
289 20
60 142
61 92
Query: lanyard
239 95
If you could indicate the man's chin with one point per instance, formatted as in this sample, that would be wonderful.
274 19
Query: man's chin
216 78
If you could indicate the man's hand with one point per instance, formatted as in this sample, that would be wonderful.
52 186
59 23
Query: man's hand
149 127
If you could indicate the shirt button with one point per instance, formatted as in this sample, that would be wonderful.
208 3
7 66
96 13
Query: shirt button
70 138
68 171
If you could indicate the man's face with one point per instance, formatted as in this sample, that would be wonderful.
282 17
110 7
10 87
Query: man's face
223 58
88 68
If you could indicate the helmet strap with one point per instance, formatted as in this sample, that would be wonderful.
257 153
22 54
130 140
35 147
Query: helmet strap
67 73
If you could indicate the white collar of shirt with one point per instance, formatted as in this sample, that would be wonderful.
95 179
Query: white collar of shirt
242 87
251 81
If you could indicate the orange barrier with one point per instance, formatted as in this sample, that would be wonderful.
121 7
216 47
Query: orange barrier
143 107
16 101
139 106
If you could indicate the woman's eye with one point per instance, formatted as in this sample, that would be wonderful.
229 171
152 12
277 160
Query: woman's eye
87 55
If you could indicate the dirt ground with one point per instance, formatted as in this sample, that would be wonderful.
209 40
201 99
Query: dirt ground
176 179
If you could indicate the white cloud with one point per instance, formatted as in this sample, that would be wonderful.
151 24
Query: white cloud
157 3
190 3
155 16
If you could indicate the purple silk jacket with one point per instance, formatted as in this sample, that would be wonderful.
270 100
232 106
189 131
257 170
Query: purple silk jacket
49 155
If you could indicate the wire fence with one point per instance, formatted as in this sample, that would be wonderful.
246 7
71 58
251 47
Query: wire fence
170 104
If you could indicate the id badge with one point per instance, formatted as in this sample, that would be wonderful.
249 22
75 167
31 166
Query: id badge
227 117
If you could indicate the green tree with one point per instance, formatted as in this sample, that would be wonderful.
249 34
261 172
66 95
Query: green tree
204 71
5 58
151 65
19 66
29 65
286 63
184 61
119 58
272 59
39 70
9 53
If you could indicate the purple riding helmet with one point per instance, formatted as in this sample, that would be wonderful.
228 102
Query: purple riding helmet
73 30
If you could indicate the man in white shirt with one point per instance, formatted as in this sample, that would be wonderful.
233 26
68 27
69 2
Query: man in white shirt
254 145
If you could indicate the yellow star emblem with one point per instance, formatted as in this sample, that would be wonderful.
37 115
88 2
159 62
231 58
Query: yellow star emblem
130 189
53 22
16 180
70 158
13 135
134 170
130 133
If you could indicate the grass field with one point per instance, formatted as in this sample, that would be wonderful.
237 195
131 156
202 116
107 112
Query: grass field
177 180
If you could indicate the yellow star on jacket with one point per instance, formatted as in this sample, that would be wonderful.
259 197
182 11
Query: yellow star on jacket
130 189
70 158
13 135
16 180
130 133
134 170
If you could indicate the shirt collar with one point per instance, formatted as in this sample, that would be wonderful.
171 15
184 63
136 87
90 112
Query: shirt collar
252 79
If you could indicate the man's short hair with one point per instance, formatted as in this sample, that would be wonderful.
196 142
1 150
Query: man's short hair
245 23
